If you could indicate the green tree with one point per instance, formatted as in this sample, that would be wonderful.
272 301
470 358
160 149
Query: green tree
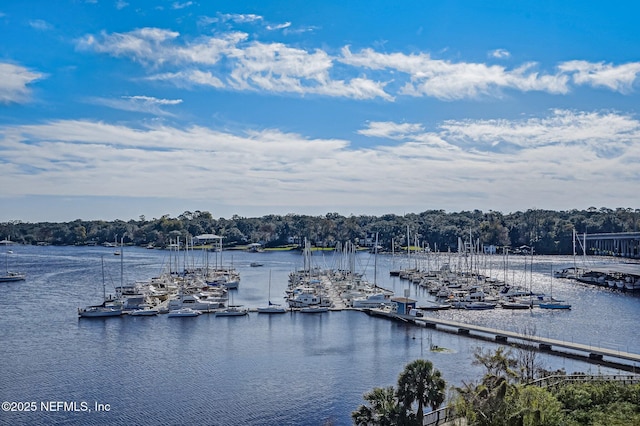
383 408
533 406
421 383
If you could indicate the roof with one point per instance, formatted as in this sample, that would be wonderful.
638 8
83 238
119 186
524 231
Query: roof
403 300
208 237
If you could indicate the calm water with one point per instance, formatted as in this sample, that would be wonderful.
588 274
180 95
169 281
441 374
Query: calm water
290 369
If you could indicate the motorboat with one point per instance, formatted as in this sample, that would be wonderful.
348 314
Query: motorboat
314 309
194 301
306 296
479 306
374 300
144 312
435 307
183 312
232 311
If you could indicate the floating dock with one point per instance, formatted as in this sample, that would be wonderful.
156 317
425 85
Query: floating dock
604 356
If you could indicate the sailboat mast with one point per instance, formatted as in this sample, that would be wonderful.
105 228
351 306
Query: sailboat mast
121 263
104 288
375 263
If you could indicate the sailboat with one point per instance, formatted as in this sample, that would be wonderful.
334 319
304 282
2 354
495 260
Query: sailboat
232 310
272 308
552 303
108 307
10 276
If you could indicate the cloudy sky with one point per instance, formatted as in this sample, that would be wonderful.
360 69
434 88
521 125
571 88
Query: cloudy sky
117 109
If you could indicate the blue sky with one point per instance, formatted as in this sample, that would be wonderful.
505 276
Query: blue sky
117 109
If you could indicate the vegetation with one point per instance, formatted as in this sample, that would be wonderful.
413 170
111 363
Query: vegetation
419 385
504 396
548 232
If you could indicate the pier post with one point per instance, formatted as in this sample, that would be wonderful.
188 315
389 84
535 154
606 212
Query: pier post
545 347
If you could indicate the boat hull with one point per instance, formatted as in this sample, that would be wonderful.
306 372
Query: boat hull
554 306
272 310
12 277
99 313
313 310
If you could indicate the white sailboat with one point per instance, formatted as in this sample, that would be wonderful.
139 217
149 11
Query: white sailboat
10 276
553 303
272 308
232 310
108 307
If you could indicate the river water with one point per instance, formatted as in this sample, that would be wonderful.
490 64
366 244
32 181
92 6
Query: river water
290 369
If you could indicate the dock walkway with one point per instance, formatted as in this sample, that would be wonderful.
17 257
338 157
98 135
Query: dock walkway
593 353
543 342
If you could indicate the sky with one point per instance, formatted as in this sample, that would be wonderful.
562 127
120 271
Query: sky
122 109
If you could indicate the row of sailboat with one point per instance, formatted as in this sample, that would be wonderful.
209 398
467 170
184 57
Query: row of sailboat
188 293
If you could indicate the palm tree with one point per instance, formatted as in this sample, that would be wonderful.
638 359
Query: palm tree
383 408
422 383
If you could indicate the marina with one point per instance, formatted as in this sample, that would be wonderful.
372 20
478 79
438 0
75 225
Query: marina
252 365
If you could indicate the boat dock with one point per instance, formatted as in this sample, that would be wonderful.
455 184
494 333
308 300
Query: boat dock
615 358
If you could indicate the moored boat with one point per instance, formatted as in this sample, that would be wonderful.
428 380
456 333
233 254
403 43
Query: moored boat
183 312
271 308
314 309
101 311
108 307
479 306
515 305
555 305
232 311
144 312
374 300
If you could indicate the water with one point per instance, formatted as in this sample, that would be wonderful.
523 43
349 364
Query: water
289 369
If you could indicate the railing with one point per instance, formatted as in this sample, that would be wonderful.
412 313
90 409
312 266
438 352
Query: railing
555 380
439 416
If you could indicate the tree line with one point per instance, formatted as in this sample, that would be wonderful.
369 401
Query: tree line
547 231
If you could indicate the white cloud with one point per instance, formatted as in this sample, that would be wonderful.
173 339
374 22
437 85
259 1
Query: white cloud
391 130
500 54
279 26
234 60
617 78
240 18
144 104
451 81
177 5
454 166
121 4
189 78
14 81
40 25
